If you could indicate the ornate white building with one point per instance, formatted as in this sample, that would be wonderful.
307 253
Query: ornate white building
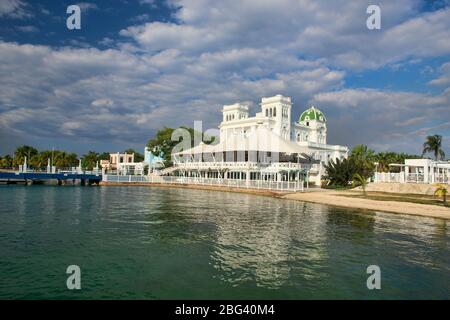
267 146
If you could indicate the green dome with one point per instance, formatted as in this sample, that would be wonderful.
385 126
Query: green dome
312 114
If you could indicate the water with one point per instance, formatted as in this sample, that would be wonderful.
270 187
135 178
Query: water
157 243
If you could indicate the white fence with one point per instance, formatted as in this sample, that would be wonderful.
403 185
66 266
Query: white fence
232 183
410 178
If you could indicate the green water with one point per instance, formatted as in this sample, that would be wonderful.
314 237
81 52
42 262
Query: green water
156 243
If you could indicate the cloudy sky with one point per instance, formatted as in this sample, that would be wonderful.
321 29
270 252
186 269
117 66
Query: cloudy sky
136 66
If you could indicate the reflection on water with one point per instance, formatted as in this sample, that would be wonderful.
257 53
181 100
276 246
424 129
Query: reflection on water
138 242
260 242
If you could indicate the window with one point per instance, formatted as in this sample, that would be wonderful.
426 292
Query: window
267 112
274 112
271 112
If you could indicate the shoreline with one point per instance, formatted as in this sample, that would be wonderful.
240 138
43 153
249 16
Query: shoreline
342 199
262 192
345 199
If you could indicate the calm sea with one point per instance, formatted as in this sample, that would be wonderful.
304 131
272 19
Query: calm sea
158 243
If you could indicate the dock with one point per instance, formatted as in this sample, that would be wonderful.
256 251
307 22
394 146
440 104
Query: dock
59 178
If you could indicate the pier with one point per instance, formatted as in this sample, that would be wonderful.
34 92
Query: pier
28 178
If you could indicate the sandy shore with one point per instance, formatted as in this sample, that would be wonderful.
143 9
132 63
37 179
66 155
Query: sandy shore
344 199
321 196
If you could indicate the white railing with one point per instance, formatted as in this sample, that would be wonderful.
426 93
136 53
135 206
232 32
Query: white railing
410 177
238 165
232 183
441 179
389 177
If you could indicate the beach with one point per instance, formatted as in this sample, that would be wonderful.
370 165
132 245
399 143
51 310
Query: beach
347 199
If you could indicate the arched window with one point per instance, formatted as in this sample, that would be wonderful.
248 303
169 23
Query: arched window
298 137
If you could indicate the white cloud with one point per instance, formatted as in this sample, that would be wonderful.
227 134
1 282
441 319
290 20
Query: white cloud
386 120
323 30
87 6
102 103
143 91
28 29
444 78
14 9
218 53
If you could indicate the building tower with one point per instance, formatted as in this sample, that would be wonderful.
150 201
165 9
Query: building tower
316 122
278 108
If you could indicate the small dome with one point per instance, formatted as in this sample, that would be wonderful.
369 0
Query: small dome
312 114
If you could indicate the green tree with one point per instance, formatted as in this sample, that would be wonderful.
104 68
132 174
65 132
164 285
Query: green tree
104 156
433 144
41 159
6 161
22 152
163 142
359 180
441 191
63 159
89 160
138 157
364 159
363 153
340 172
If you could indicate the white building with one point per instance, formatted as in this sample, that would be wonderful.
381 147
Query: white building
123 164
267 146
417 171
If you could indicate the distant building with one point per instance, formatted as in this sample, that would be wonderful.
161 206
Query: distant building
115 159
417 171
122 164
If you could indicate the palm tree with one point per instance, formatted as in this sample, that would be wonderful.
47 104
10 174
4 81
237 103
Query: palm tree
441 191
359 180
6 161
340 172
362 152
90 160
22 152
433 144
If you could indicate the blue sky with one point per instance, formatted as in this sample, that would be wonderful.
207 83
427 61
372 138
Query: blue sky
136 66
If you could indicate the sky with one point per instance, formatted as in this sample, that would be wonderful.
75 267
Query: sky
137 66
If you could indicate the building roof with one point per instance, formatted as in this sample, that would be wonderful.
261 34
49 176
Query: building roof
312 114
262 139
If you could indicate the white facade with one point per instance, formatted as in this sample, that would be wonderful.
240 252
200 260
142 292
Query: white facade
268 145
309 132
